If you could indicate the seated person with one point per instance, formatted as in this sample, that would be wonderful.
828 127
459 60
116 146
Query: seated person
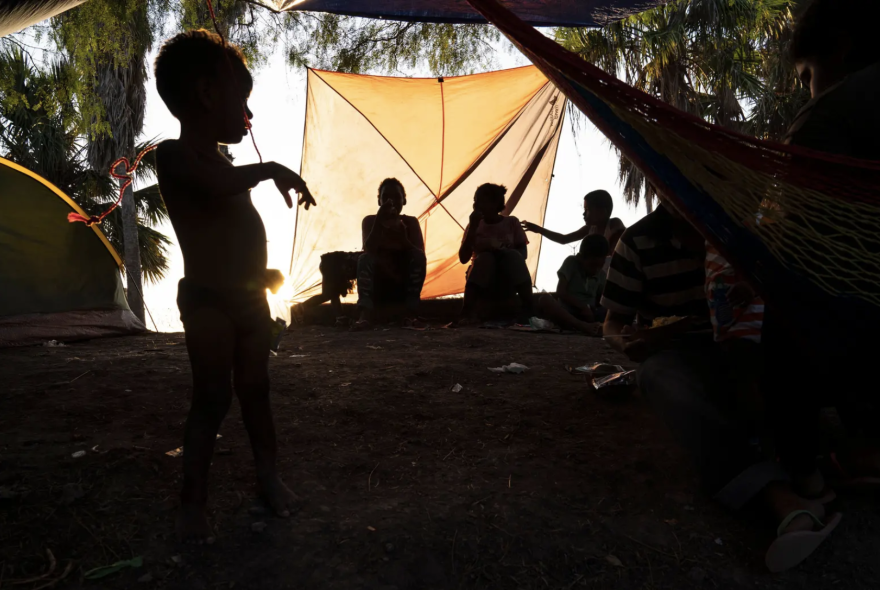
392 268
497 247
581 280
657 271
598 206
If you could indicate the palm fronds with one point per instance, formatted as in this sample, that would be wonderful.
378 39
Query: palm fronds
722 60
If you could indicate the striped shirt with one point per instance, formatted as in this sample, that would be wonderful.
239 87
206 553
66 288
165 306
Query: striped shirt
729 322
652 275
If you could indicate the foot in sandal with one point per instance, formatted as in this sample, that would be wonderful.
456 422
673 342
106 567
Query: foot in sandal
803 526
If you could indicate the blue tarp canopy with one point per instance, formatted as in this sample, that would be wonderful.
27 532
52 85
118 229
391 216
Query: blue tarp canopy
18 14
539 13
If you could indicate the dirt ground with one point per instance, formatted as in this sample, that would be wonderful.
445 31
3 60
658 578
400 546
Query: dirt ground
517 481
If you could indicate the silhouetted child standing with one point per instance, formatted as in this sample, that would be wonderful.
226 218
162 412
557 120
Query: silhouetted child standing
222 297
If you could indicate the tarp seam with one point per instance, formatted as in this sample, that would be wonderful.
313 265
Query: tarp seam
495 140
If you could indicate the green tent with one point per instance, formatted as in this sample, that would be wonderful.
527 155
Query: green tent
60 280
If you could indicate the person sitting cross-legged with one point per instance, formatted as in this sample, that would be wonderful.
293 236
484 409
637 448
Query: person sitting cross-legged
497 247
392 268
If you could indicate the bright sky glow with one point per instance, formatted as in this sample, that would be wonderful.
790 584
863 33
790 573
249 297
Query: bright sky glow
584 162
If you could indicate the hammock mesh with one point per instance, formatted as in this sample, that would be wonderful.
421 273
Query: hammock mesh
803 225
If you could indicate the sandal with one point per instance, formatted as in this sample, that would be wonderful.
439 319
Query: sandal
791 548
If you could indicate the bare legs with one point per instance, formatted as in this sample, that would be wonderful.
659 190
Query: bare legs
216 351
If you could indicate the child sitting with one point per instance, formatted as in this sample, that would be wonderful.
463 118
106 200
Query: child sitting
497 247
582 280
222 297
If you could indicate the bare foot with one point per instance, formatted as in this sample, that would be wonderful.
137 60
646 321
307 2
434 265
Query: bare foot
192 525
278 496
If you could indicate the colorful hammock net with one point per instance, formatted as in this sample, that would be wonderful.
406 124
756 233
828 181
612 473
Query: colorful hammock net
805 226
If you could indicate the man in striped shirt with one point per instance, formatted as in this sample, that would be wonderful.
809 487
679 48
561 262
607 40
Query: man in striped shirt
658 270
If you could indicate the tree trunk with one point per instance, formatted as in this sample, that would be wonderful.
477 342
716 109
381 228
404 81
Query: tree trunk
132 255
649 203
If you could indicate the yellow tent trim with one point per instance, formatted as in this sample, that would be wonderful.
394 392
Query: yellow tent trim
70 202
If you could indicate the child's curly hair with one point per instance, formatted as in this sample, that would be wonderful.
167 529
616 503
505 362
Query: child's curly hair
187 57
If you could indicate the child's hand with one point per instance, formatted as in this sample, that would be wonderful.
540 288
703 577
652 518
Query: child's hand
475 218
529 226
306 198
740 294
287 180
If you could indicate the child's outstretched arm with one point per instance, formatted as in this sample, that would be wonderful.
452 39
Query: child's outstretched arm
555 236
183 168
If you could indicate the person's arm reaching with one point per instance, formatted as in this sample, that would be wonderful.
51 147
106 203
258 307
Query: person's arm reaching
183 168
557 237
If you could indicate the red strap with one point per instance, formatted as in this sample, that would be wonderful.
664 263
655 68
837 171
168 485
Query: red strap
129 170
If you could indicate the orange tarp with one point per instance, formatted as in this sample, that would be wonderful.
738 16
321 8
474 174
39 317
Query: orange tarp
441 138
